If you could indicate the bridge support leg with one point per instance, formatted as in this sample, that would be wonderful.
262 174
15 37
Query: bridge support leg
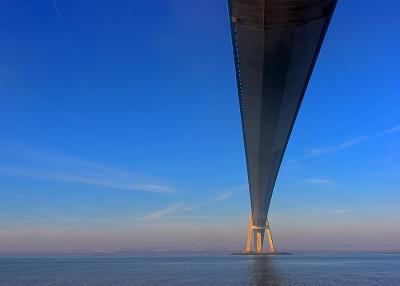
269 234
249 235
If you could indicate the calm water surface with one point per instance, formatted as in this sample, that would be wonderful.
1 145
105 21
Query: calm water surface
334 269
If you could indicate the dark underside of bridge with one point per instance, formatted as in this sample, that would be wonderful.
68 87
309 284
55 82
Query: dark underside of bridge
276 44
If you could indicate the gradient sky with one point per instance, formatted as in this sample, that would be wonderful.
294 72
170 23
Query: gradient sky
120 129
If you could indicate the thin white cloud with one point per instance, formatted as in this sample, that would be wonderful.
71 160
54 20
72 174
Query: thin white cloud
389 131
181 207
68 169
164 211
339 147
352 142
169 210
43 175
343 211
219 198
39 215
320 181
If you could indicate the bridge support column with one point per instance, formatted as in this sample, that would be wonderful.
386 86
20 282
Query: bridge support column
259 241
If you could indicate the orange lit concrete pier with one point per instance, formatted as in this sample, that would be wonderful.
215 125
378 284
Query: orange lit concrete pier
275 47
258 239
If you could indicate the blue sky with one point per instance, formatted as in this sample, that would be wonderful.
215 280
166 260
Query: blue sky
120 129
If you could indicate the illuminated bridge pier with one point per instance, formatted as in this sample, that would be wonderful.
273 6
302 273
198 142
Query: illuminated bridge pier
275 45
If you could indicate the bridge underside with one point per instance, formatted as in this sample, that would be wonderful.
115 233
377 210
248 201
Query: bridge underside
276 44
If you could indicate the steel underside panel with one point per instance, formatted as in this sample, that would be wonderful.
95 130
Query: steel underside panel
274 60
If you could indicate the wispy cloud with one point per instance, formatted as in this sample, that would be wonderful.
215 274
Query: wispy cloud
68 169
164 211
352 142
40 215
181 207
343 211
219 198
319 181
69 178
338 147
341 146
389 131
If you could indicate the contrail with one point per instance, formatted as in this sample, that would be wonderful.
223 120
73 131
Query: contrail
66 34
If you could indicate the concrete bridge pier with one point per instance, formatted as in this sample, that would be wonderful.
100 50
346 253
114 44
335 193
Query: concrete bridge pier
258 233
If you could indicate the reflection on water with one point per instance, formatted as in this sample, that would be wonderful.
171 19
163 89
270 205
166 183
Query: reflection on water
261 272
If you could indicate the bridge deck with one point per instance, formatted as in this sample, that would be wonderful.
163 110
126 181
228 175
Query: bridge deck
276 44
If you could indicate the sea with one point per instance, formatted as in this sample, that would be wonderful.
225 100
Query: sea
200 269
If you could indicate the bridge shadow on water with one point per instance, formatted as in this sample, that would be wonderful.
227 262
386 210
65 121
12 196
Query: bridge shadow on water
262 272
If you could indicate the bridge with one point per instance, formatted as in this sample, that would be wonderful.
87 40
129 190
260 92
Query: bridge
275 46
